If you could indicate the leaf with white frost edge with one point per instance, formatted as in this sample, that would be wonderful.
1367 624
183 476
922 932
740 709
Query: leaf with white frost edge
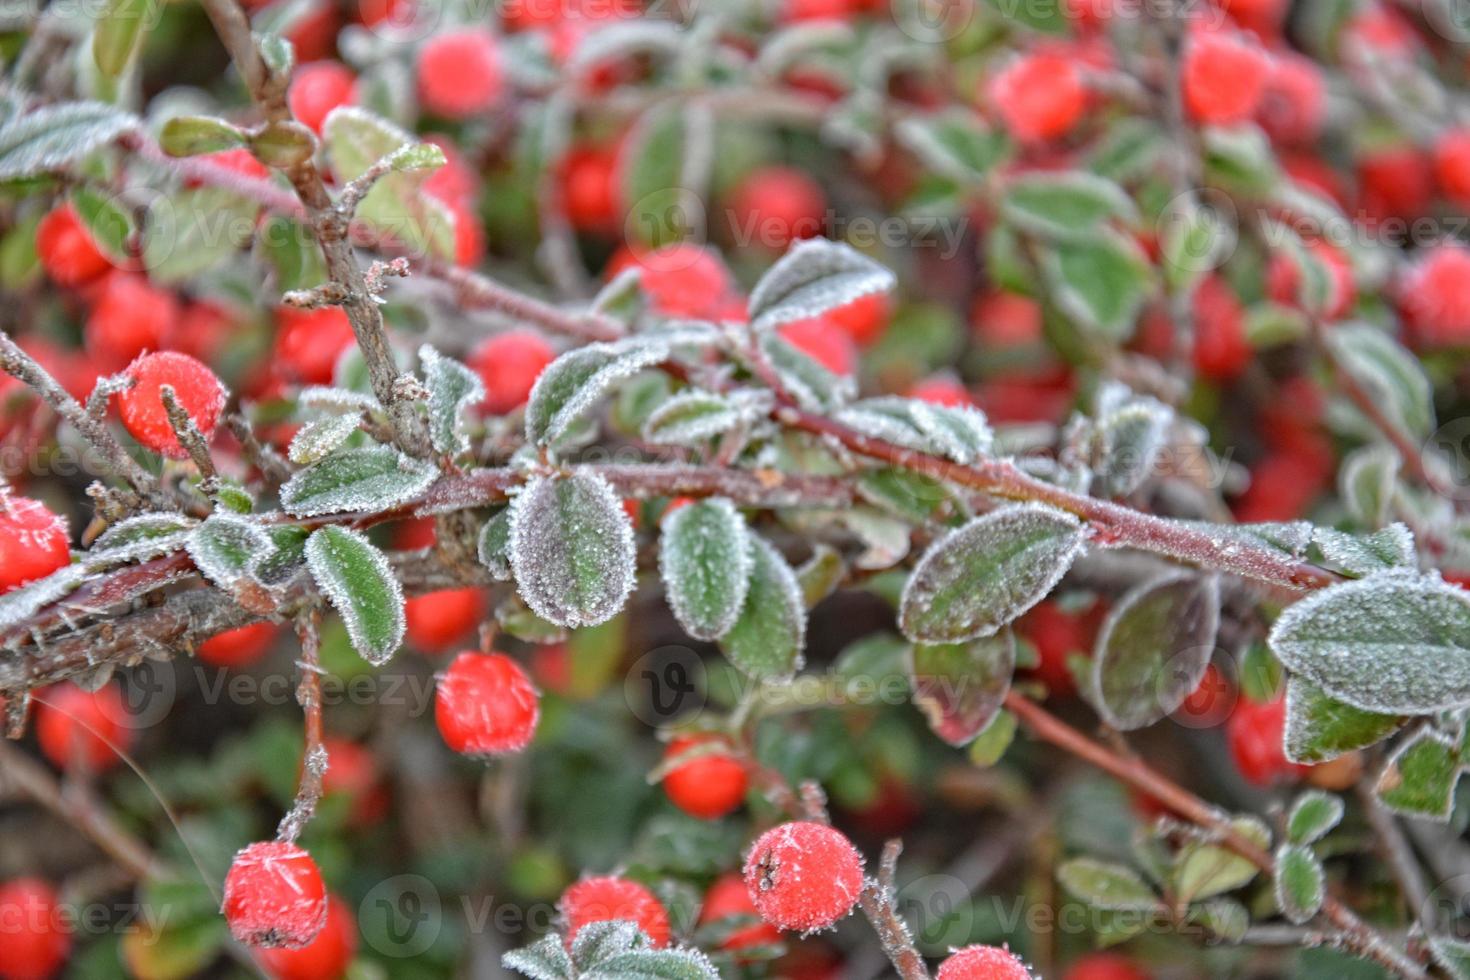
814 276
336 399
1153 649
690 418
54 137
1419 779
1106 886
1393 375
572 384
1364 554
359 583
1319 728
1312 817
1394 643
655 964
24 602
546 959
571 549
1366 483
1451 954
453 388
1204 870
982 576
959 433
598 941
494 545
1131 439
140 528
319 438
369 479
767 640
1300 883
704 559
226 547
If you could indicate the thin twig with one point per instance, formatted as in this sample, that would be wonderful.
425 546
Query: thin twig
309 696
188 434
893 933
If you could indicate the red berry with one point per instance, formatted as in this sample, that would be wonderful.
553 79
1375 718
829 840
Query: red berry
1056 634
1395 183
942 389
1452 166
324 958
37 937
201 330
1210 703
679 280
1283 486
318 88
775 206
33 541
800 11
1254 734
1378 32
1221 348
803 876
1295 100
437 619
89 728
824 342
1105 966
352 772
1001 318
274 896
241 161
1224 77
459 73
728 898
983 963
1435 297
199 393
131 317
67 250
1262 16
1039 96
509 364
708 786
589 189
309 343
1283 280
864 319
469 235
607 899
238 648
486 705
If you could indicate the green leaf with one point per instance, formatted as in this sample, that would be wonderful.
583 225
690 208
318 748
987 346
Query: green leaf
288 552
1045 18
1130 440
766 641
1300 883
821 575
1154 648
1128 150
1224 917
980 577
1364 554
991 744
955 144
1312 817
1194 242
543 960
1393 375
1419 779
571 549
52 138
1065 205
1393 643
655 964
1320 728
318 439
291 249
1100 283
193 230
453 388
1366 483
1240 158
705 561
119 30
960 687
494 545
370 479
109 224
959 433
814 276
815 388
661 210
690 418
357 580
1205 870
572 385
1110 887
226 547
187 136
1452 955
355 140
597 942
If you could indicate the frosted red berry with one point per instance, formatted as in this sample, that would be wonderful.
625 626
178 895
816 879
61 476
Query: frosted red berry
589 188
437 619
67 250
486 705
86 728
774 206
33 541
318 88
1105 966
824 342
1395 183
459 74
274 896
309 343
728 898
1452 166
983 963
239 647
1254 734
35 935
679 280
1039 96
942 389
1434 296
1224 77
803 876
324 958
131 316
1221 348
609 898
199 392
509 364
709 786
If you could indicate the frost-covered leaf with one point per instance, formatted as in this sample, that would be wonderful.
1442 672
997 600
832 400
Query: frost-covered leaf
814 276
226 546
1364 554
1107 886
980 577
573 383
544 960
705 561
1224 917
1300 883
596 942
319 438
905 493
21 603
108 222
143 527
1419 779
1204 870
334 399
960 687
54 137
357 580
766 640
954 144
1392 374
1320 728
286 557
655 964
661 208
571 549
690 418
1100 283
1313 816
814 387
821 574
1452 955
368 479
453 388
1129 442
1194 241
1397 642
1366 483
494 545
958 433
1154 647
1064 204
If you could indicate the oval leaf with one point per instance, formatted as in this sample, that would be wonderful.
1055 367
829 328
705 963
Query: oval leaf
225 548
704 558
960 687
1319 728
452 389
815 276
570 385
1111 887
1300 883
357 479
1312 816
766 641
356 579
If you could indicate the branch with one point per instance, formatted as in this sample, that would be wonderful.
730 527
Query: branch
893 932
188 433
309 696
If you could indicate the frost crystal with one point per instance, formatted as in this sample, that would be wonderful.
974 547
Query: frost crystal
336 399
573 383
689 418
317 440
1355 554
21 604
140 538
452 389
1130 437
226 546
815 276
571 549
53 137
961 434
494 545
1366 482
704 558
357 580
369 479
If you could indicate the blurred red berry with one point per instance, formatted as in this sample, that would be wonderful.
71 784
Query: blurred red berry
728 898
1221 349
318 88
67 250
803 876
709 786
309 343
274 896
1376 32
589 189
238 648
983 963
1284 278
824 342
34 542
34 933
437 619
1254 734
774 206
1262 16
1283 487
1434 296
864 319
1056 634
509 364
199 393
1209 704
131 316
324 958
485 705
942 389
1295 100
1105 966
1039 96
608 899
459 73
1452 166
801 11
89 728
680 280
1224 77
1005 319
1395 183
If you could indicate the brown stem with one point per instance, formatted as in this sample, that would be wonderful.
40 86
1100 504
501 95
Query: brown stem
314 755
187 433
893 932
